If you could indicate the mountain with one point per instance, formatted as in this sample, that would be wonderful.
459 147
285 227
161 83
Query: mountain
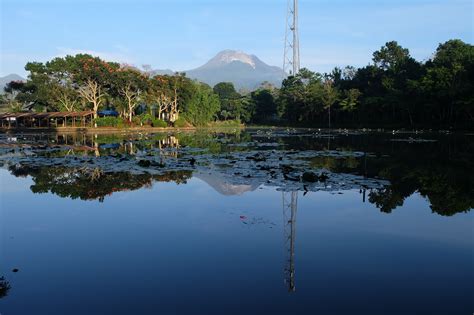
245 71
223 186
7 79
162 72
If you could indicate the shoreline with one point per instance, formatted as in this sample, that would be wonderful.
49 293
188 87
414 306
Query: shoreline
111 130
108 130
89 130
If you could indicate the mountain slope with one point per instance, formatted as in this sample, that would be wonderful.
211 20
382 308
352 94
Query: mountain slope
245 71
7 79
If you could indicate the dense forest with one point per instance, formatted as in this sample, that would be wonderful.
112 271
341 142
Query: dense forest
395 90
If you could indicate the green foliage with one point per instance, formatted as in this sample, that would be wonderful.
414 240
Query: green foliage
232 106
149 120
203 106
158 123
349 103
263 106
109 122
180 123
226 90
146 119
226 124
137 121
390 56
394 91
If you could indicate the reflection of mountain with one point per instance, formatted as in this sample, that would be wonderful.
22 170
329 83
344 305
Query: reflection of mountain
86 167
222 186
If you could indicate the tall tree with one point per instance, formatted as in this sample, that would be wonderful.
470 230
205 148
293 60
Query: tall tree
230 99
130 84
94 78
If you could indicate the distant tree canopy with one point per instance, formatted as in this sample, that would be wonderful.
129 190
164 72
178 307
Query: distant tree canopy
83 82
394 91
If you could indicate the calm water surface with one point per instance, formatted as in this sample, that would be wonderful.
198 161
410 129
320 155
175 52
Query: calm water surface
251 222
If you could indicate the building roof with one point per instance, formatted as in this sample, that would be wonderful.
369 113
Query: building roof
46 115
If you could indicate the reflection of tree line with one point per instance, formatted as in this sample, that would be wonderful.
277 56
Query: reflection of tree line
101 145
439 172
215 141
4 287
448 187
91 184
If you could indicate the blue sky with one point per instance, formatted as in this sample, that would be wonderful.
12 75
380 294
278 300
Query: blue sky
183 34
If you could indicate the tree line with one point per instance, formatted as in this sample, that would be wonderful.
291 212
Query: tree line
395 90
84 82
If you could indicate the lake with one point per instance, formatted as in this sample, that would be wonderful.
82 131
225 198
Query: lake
258 221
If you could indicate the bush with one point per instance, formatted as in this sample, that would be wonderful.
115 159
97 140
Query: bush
158 123
236 123
137 120
146 119
180 123
109 122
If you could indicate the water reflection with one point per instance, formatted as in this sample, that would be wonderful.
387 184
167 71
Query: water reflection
290 206
227 239
90 184
94 166
4 287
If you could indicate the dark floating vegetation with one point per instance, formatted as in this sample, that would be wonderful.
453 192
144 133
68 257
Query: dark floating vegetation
385 168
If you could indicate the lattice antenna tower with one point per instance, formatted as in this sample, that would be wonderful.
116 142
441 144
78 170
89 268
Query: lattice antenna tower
291 57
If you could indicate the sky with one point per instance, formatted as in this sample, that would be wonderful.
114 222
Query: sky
184 34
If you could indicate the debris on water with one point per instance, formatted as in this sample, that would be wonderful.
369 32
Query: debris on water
323 177
310 177
157 164
414 140
290 178
249 163
257 158
287 169
144 163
